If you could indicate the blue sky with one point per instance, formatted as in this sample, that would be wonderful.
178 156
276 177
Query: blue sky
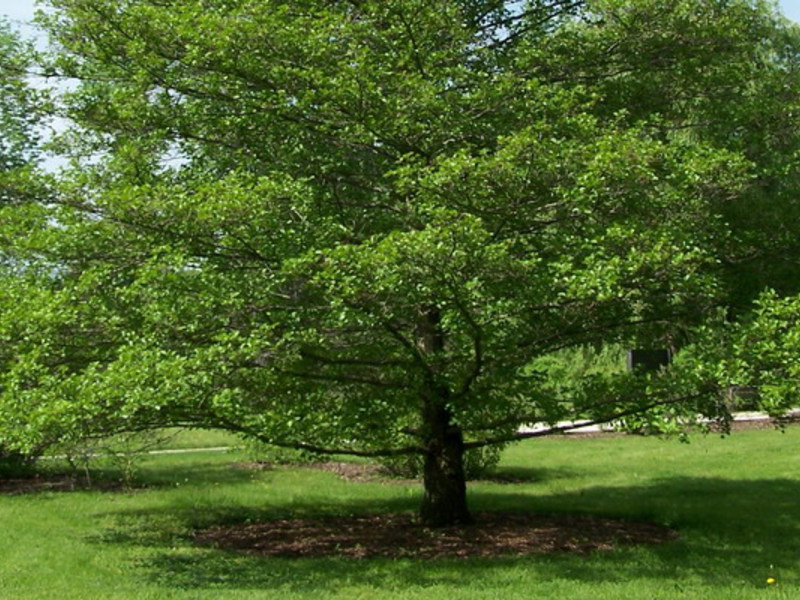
791 8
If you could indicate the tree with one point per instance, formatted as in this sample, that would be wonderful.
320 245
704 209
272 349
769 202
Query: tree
354 226
19 117
18 103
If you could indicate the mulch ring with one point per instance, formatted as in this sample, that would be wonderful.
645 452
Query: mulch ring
400 536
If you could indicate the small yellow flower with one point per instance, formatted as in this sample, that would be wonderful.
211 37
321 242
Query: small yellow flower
770 580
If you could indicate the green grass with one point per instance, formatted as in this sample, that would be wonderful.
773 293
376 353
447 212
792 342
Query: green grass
734 502
201 438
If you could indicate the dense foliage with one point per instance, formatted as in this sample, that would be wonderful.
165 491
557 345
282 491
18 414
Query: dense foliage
355 226
20 112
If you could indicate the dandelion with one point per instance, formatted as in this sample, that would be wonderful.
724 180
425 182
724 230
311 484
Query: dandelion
770 580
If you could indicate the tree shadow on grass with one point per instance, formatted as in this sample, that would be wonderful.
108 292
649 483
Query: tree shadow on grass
103 477
731 531
213 469
314 576
517 474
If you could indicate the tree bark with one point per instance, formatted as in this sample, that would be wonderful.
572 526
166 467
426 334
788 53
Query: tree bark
444 501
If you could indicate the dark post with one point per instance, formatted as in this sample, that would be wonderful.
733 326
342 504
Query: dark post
645 361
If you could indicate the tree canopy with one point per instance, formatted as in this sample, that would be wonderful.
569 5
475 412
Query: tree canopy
20 112
354 226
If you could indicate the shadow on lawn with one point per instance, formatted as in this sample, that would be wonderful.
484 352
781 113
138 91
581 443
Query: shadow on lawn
517 474
731 532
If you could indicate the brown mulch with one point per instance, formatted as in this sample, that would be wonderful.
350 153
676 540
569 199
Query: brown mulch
53 483
358 472
400 536
763 424
35 484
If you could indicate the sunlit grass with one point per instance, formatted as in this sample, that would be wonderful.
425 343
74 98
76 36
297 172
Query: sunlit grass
200 438
735 504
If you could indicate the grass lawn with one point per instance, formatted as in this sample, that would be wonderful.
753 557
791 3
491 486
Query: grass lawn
200 438
734 502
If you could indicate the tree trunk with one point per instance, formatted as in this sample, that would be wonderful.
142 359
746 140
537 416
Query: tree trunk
445 499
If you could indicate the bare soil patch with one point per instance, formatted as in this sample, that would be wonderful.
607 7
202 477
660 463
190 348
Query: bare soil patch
399 535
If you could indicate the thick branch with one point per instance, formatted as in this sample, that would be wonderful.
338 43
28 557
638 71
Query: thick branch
363 362
477 342
347 452
404 451
343 379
